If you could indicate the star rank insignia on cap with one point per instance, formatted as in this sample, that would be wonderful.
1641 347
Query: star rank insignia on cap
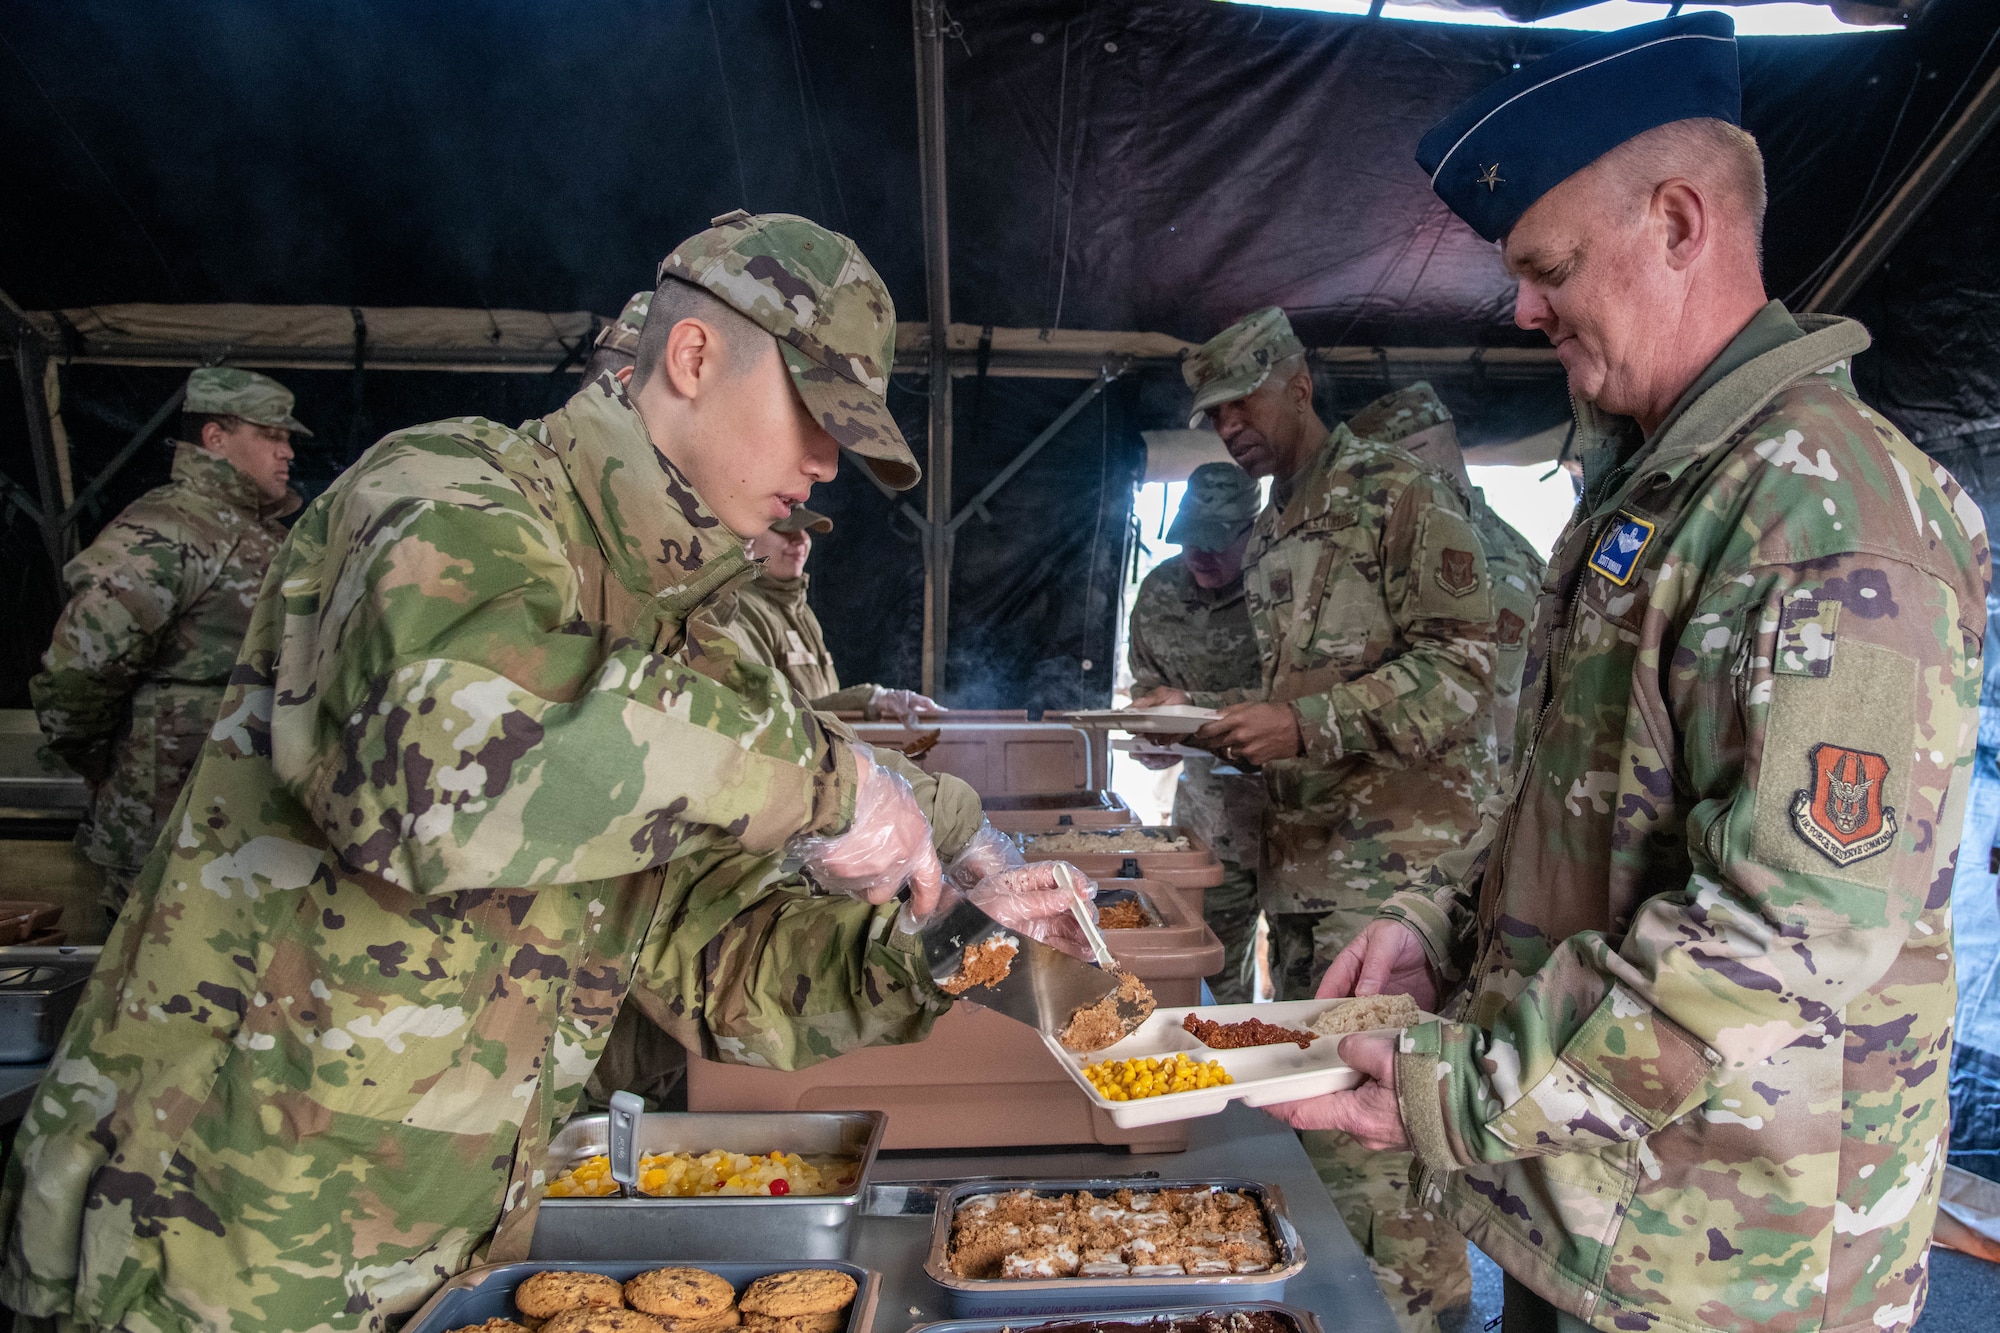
1843 817
1491 178
1618 550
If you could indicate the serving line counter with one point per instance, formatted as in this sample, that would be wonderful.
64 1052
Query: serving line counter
1336 1283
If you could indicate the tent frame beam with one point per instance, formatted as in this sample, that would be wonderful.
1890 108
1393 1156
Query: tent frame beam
928 23
45 437
1910 201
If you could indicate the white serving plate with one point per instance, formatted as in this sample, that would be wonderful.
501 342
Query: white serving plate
1264 1074
1170 720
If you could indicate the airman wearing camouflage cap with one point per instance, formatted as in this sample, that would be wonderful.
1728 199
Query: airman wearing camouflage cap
1373 723
1219 506
486 770
815 292
1235 362
158 605
1189 629
1417 419
776 626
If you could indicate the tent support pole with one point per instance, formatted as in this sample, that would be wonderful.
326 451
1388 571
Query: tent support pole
929 27
30 361
977 504
1910 200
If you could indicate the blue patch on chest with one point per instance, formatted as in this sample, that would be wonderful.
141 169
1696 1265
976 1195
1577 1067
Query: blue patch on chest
1620 548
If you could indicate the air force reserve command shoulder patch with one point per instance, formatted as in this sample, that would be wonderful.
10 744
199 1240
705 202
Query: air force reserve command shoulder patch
1842 816
1618 550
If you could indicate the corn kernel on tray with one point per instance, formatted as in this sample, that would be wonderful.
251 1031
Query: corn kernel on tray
1162 1073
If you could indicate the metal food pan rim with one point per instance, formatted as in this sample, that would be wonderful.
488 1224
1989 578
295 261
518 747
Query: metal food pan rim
878 1122
861 1314
1270 1197
1307 1321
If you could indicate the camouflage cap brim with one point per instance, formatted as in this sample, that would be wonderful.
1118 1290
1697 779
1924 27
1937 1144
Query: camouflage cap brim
858 420
1205 534
1226 390
286 422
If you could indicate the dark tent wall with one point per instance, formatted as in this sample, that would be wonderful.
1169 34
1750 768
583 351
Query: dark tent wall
1156 165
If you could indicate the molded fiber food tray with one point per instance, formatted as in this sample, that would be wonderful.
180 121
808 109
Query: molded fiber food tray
487 1292
1087 1295
1264 1074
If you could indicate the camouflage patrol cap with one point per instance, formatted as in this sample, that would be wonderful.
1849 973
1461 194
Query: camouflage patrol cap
1400 414
226 391
1220 504
621 335
815 292
802 519
1235 361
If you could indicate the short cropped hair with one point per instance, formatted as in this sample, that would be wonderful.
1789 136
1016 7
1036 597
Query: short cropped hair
674 301
192 422
1721 158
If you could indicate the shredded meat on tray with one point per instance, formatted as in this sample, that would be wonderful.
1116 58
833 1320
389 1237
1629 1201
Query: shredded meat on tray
1250 1032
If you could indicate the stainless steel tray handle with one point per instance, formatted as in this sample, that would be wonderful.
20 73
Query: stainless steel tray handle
626 1108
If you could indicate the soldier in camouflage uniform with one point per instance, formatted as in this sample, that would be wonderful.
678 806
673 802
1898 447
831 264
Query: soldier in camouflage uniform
1417 419
1694 1075
775 625
1373 721
485 763
158 606
1190 630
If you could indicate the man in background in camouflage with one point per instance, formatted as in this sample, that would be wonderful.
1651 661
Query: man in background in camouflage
1694 1074
775 625
158 605
1190 630
1373 722
616 349
486 763
1417 419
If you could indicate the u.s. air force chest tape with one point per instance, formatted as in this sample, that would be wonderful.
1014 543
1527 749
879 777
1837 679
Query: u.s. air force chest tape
1834 773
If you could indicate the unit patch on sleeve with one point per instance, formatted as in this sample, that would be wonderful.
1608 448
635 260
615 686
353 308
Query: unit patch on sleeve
1458 572
1508 629
1618 550
1843 817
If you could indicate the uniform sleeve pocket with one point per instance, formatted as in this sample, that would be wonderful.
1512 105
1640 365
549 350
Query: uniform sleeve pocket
1650 1063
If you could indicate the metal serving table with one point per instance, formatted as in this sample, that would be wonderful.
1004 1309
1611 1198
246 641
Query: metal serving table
1336 1283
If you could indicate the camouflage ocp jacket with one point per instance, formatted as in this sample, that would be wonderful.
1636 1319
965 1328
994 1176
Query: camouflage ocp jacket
135 670
1697 1077
1373 608
485 760
775 625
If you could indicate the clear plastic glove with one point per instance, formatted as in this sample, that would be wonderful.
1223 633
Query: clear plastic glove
903 706
1032 900
887 846
987 852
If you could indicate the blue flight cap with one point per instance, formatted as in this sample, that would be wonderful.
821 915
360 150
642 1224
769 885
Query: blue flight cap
1493 157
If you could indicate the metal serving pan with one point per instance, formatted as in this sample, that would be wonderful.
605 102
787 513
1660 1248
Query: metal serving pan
39 988
746 1227
1289 1317
487 1292
1085 1295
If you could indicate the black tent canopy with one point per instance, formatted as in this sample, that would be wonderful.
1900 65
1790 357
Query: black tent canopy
441 188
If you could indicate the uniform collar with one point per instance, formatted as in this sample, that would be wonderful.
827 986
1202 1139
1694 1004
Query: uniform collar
1305 495
659 538
785 592
219 479
1759 364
